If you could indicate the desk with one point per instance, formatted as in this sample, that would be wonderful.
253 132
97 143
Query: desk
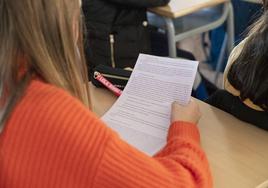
177 9
237 152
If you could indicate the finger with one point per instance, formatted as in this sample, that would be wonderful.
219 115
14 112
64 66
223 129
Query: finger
175 103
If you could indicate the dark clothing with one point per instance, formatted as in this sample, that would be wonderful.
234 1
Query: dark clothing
233 105
245 13
117 31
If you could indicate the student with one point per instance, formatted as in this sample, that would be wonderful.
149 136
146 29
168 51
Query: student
245 14
49 138
117 31
245 93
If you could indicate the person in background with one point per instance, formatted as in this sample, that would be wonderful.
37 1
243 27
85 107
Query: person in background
49 137
245 14
245 93
117 31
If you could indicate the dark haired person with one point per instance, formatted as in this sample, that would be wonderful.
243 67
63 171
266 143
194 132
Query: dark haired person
245 93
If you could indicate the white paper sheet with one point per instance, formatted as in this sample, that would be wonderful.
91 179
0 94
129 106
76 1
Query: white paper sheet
141 115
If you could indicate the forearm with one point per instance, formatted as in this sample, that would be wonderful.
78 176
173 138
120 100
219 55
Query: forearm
184 158
181 163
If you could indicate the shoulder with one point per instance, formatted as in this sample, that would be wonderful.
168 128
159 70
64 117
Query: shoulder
47 109
46 103
52 125
46 94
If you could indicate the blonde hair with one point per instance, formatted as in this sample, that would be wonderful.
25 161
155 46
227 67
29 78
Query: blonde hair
42 33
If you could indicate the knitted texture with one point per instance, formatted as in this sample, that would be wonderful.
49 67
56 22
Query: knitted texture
52 141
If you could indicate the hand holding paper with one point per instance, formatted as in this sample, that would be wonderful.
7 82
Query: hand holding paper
190 113
141 115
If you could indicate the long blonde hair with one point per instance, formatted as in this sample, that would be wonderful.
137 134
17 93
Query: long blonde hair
42 33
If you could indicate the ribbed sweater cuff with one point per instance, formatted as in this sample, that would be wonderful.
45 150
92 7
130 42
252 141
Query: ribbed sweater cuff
181 129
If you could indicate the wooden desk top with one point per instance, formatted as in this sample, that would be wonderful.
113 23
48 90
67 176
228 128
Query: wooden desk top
178 8
237 152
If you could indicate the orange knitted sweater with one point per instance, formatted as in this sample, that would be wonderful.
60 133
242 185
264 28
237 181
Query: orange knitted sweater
52 141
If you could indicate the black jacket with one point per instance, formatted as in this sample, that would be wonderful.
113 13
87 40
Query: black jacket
117 31
227 102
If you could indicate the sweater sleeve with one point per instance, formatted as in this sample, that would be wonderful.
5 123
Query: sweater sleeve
141 3
181 163
52 140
